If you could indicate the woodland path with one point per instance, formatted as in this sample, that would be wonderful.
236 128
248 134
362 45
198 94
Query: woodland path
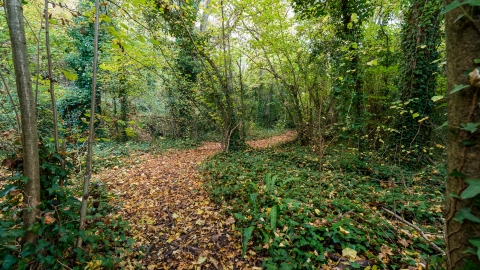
174 223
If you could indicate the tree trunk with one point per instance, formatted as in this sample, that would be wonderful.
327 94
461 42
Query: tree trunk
462 41
31 168
91 131
420 39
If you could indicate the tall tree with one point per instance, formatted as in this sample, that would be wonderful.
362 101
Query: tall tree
461 213
31 167
347 16
420 40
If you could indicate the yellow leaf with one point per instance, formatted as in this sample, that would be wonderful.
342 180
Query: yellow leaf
93 265
349 253
201 260
354 17
342 230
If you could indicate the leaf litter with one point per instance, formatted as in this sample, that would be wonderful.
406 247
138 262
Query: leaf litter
174 223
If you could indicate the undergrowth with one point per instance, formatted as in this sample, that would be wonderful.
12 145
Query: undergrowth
104 238
299 218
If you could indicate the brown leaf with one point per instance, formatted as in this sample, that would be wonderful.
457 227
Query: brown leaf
49 219
230 221
474 77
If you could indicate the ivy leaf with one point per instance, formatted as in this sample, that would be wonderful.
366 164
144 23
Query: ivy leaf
7 190
472 190
476 242
458 87
472 127
452 6
247 235
473 2
8 261
415 115
468 143
456 173
466 213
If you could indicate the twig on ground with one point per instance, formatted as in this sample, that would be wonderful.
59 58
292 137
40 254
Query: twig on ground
340 217
417 229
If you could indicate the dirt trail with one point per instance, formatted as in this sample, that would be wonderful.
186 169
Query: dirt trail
173 221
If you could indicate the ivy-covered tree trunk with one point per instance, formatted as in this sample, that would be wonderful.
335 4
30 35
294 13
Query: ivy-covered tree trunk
31 167
463 162
351 33
420 40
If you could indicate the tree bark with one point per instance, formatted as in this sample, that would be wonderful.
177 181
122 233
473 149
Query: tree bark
463 47
31 168
420 39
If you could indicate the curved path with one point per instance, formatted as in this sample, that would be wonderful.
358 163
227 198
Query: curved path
174 223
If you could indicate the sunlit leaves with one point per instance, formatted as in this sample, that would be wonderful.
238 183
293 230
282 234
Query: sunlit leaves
69 75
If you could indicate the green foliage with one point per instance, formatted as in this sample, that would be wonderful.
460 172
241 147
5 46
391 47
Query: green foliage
298 214
80 58
104 236
420 41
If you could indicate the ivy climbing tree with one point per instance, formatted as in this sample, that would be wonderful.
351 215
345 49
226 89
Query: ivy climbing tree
348 17
420 39
462 211
74 106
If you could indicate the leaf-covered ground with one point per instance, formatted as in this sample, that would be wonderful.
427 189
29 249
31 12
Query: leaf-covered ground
353 214
174 222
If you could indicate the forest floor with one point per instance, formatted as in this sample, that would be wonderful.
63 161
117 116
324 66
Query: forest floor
173 222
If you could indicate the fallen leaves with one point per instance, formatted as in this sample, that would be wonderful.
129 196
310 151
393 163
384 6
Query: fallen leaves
174 223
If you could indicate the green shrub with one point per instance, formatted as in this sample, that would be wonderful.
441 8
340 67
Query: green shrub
104 236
